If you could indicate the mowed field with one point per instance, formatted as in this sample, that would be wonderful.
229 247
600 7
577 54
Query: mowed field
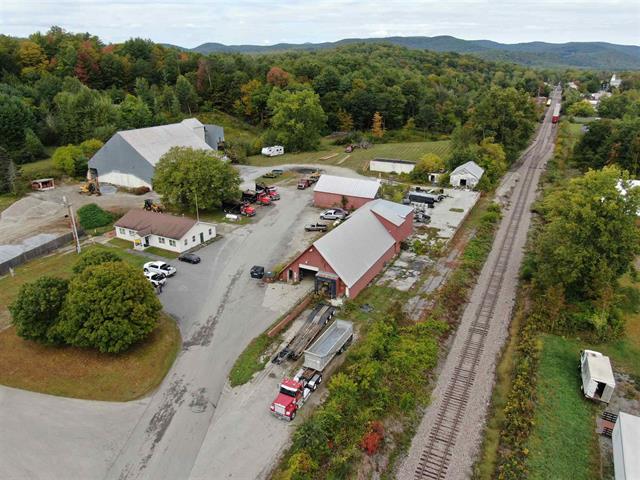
358 160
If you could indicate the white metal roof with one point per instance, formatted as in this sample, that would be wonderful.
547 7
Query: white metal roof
470 167
600 369
353 187
629 429
391 211
357 244
153 142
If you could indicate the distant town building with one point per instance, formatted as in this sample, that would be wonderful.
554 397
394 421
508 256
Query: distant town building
615 82
129 158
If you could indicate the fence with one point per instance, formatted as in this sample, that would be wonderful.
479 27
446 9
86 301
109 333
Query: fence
38 251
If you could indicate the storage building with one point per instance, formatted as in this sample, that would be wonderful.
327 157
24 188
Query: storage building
466 175
344 192
129 158
346 259
387 165
626 447
169 232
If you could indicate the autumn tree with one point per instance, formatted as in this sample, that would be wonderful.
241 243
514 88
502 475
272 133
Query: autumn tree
377 126
345 121
277 77
184 174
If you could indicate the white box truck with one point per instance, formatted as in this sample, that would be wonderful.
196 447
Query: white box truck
273 151
598 382
626 447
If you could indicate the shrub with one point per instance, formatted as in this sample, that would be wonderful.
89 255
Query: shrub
89 259
92 216
109 307
372 440
36 310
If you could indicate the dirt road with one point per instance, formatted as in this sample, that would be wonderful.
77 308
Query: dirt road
449 435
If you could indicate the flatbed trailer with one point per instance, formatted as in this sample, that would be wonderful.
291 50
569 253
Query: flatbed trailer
313 325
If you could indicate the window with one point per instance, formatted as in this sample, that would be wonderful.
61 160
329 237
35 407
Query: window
161 240
209 231
172 243
193 239
185 241
122 231
131 232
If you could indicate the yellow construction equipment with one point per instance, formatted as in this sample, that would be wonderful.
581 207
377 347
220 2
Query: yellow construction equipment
91 187
152 206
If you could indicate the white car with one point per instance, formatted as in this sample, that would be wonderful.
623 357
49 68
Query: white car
156 279
159 267
334 214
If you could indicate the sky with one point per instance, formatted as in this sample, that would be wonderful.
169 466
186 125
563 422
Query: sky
232 22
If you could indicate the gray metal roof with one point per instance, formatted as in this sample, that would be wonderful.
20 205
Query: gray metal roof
357 244
470 167
352 187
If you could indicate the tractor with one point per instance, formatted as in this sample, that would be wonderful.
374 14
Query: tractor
90 187
151 206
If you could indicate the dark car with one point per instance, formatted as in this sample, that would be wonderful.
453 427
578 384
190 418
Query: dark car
189 258
257 271
316 227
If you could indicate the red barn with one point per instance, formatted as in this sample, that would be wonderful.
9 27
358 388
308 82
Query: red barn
346 259
344 192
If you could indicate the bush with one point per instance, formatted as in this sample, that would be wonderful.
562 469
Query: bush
89 259
109 307
36 310
92 216
71 160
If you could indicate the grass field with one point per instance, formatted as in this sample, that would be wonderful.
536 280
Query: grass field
82 373
6 200
40 169
358 160
563 438
235 130
58 265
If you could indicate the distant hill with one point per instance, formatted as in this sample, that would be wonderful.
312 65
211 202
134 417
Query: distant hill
594 55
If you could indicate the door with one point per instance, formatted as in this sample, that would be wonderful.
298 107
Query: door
600 389
146 241
201 237
463 182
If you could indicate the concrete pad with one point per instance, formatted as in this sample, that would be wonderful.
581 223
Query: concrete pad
445 217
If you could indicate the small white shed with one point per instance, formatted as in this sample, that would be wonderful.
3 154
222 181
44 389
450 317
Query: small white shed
598 382
626 447
466 175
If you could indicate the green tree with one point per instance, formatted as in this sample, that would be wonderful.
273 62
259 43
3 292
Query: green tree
90 147
581 109
6 169
109 307
93 257
493 159
428 163
33 149
298 118
36 310
71 160
590 236
92 216
15 119
187 95
134 113
182 174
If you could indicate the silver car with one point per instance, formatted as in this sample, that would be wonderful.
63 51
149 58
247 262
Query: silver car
334 214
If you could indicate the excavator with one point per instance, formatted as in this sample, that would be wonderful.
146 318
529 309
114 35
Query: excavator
91 187
152 206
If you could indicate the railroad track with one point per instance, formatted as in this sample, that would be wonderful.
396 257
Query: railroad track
436 454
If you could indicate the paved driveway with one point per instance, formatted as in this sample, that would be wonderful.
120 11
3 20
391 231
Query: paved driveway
219 309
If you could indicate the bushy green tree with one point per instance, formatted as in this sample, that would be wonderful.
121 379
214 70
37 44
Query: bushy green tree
581 109
298 118
90 147
187 95
7 172
71 160
16 118
93 257
109 307
36 310
492 158
92 216
428 163
182 174
134 113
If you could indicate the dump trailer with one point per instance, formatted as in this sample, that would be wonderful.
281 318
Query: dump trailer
598 382
294 392
317 319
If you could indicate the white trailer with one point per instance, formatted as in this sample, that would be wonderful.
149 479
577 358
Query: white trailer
626 447
598 382
273 151
332 342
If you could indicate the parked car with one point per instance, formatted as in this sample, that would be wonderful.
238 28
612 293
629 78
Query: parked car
277 171
159 267
334 214
316 227
257 271
156 279
189 258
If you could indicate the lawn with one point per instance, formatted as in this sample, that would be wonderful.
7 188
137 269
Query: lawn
6 200
40 169
82 373
59 265
358 160
251 360
563 439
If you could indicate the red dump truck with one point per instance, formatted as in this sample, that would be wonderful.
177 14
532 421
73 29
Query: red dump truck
294 392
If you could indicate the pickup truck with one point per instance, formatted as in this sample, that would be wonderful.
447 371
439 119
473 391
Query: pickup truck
316 227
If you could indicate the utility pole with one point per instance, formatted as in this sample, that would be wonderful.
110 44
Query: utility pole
197 213
74 229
